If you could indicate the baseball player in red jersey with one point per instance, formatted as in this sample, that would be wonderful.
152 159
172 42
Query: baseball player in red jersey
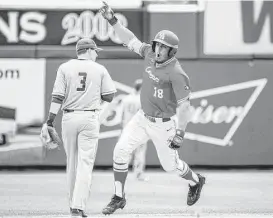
165 90
80 87
130 106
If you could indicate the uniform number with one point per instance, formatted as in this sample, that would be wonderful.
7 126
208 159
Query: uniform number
82 81
158 93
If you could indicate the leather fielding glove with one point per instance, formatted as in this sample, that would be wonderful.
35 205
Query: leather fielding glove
50 137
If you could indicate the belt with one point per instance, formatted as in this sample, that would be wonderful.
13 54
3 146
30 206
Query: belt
157 119
70 110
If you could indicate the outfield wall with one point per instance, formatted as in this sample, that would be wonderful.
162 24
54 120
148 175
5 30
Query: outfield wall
232 117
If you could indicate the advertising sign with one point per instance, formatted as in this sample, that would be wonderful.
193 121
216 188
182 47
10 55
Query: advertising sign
63 27
22 87
227 116
22 104
238 27
69 4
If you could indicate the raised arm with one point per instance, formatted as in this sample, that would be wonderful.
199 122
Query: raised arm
127 37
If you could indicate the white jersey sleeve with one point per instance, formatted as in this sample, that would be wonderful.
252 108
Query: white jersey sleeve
107 86
135 45
60 83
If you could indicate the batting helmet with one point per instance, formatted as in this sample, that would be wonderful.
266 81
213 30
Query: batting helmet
138 84
167 38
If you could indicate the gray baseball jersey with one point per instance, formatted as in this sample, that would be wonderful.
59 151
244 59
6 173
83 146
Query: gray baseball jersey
82 82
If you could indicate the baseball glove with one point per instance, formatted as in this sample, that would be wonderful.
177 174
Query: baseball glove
177 140
50 137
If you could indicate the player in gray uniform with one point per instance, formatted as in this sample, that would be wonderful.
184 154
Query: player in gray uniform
80 87
130 106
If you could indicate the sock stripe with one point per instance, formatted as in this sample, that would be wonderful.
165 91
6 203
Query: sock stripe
188 169
181 172
120 170
119 163
123 166
185 170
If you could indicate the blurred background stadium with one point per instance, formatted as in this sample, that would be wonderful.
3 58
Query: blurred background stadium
226 47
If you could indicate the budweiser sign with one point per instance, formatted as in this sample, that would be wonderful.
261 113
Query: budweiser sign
216 113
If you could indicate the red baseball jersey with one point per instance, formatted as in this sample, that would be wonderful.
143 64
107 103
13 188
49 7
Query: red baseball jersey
164 85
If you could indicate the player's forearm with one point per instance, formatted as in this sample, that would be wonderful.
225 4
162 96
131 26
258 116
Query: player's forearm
183 115
123 33
55 106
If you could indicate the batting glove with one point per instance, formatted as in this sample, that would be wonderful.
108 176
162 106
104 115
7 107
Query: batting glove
177 141
108 13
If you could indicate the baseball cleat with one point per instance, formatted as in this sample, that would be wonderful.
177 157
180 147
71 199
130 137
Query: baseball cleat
76 213
115 203
142 177
195 191
84 214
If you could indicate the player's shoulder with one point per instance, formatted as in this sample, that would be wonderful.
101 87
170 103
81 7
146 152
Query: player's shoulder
67 64
178 69
101 67
63 66
177 73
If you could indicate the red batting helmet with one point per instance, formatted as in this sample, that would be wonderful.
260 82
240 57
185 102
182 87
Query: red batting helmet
167 38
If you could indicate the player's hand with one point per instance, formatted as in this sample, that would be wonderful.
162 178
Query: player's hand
177 141
106 11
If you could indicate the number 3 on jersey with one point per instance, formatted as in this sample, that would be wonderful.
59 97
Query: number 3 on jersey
158 93
82 82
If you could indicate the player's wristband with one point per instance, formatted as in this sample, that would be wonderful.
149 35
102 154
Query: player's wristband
113 21
49 123
54 107
50 119
180 132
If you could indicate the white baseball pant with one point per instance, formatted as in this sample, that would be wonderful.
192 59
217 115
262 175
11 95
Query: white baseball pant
139 159
138 131
80 131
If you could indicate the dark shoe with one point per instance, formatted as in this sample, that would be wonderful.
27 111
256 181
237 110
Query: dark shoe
142 177
195 191
115 203
84 214
75 213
